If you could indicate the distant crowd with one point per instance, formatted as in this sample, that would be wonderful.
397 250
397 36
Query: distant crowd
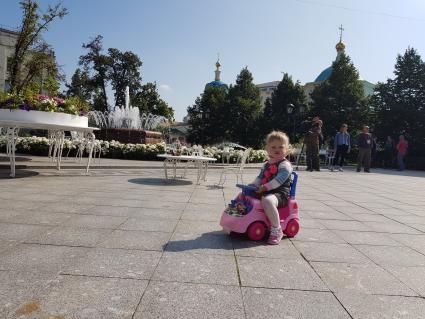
342 144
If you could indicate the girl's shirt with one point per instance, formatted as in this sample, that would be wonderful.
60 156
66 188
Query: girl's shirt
274 175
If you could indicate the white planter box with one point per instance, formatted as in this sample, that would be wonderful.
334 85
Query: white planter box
39 117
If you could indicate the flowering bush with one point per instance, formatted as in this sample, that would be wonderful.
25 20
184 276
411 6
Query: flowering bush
29 101
113 149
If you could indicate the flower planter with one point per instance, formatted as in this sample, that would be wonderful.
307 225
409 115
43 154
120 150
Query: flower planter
39 117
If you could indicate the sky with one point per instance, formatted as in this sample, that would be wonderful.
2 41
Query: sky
178 41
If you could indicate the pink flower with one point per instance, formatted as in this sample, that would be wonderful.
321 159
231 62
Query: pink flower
267 174
264 181
59 100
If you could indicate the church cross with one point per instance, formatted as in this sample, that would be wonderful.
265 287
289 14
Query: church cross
341 29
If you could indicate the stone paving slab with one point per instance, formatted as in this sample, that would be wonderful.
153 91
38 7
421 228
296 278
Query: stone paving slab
278 303
279 273
361 278
118 263
197 268
134 239
85 297
17 289
164 300
72 238
362 306
40 258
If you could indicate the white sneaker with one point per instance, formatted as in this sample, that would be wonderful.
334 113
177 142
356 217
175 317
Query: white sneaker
331 169
340 169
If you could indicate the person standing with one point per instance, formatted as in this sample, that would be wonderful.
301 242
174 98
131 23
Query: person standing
401 152
389 152
365 142
342 146
312 141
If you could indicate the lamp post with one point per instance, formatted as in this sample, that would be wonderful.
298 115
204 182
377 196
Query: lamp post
290 109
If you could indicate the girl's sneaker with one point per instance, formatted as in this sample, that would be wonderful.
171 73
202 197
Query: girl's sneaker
340 169
276 235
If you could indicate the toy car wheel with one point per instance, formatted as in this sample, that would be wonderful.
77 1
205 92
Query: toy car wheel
257 231
292 228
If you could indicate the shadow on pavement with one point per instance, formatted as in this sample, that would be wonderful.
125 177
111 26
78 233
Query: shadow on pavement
17 159
215 240
5 174
159 181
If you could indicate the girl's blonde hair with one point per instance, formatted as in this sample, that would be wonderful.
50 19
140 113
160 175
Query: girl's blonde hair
281 137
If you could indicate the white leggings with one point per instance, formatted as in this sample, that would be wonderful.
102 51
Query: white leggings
270 203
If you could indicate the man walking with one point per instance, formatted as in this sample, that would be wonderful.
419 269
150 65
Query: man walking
365 142
342 145
401 152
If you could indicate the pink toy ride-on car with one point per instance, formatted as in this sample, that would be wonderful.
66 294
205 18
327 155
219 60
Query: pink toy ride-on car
245 214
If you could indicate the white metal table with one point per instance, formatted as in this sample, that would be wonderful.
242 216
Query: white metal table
10 130
200 162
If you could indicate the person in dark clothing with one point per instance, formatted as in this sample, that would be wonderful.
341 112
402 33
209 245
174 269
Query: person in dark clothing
389 152
365 143
313 140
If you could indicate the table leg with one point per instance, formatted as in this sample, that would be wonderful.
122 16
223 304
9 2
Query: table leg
205 171
11 140
199 166
174 169
165 168
91 138
58 140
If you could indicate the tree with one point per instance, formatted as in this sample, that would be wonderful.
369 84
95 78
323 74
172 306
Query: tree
99 63
399 104
340 98
148 100
124 71
243 111
32 55
80 85
207 117
275 114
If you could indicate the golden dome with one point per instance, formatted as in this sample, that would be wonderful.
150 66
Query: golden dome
340 46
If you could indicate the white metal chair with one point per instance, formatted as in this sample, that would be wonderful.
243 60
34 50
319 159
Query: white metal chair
78 142
329 158
237 168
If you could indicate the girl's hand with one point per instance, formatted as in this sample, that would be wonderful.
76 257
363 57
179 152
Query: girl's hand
261 189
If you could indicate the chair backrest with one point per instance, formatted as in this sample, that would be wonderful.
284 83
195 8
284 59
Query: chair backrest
330 153
244 158
294 181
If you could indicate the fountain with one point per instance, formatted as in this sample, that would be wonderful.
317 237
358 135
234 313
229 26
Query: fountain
125 124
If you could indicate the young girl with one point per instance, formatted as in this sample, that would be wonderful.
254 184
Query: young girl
274 182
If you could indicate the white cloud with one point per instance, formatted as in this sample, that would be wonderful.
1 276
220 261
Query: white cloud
165 88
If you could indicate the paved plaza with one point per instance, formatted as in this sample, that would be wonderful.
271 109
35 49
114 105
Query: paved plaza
122 243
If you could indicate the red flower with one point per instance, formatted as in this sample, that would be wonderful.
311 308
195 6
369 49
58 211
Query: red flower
273 169
267 174
264 181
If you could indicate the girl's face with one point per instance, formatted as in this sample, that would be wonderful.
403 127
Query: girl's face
276 149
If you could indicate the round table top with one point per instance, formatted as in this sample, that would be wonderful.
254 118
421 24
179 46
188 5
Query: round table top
188 157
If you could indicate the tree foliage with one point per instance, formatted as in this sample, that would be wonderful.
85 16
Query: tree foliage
208 116
148 100
340 99
276 115
33 58
399 103
244 109
117 69
123 71
97 63
80 85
